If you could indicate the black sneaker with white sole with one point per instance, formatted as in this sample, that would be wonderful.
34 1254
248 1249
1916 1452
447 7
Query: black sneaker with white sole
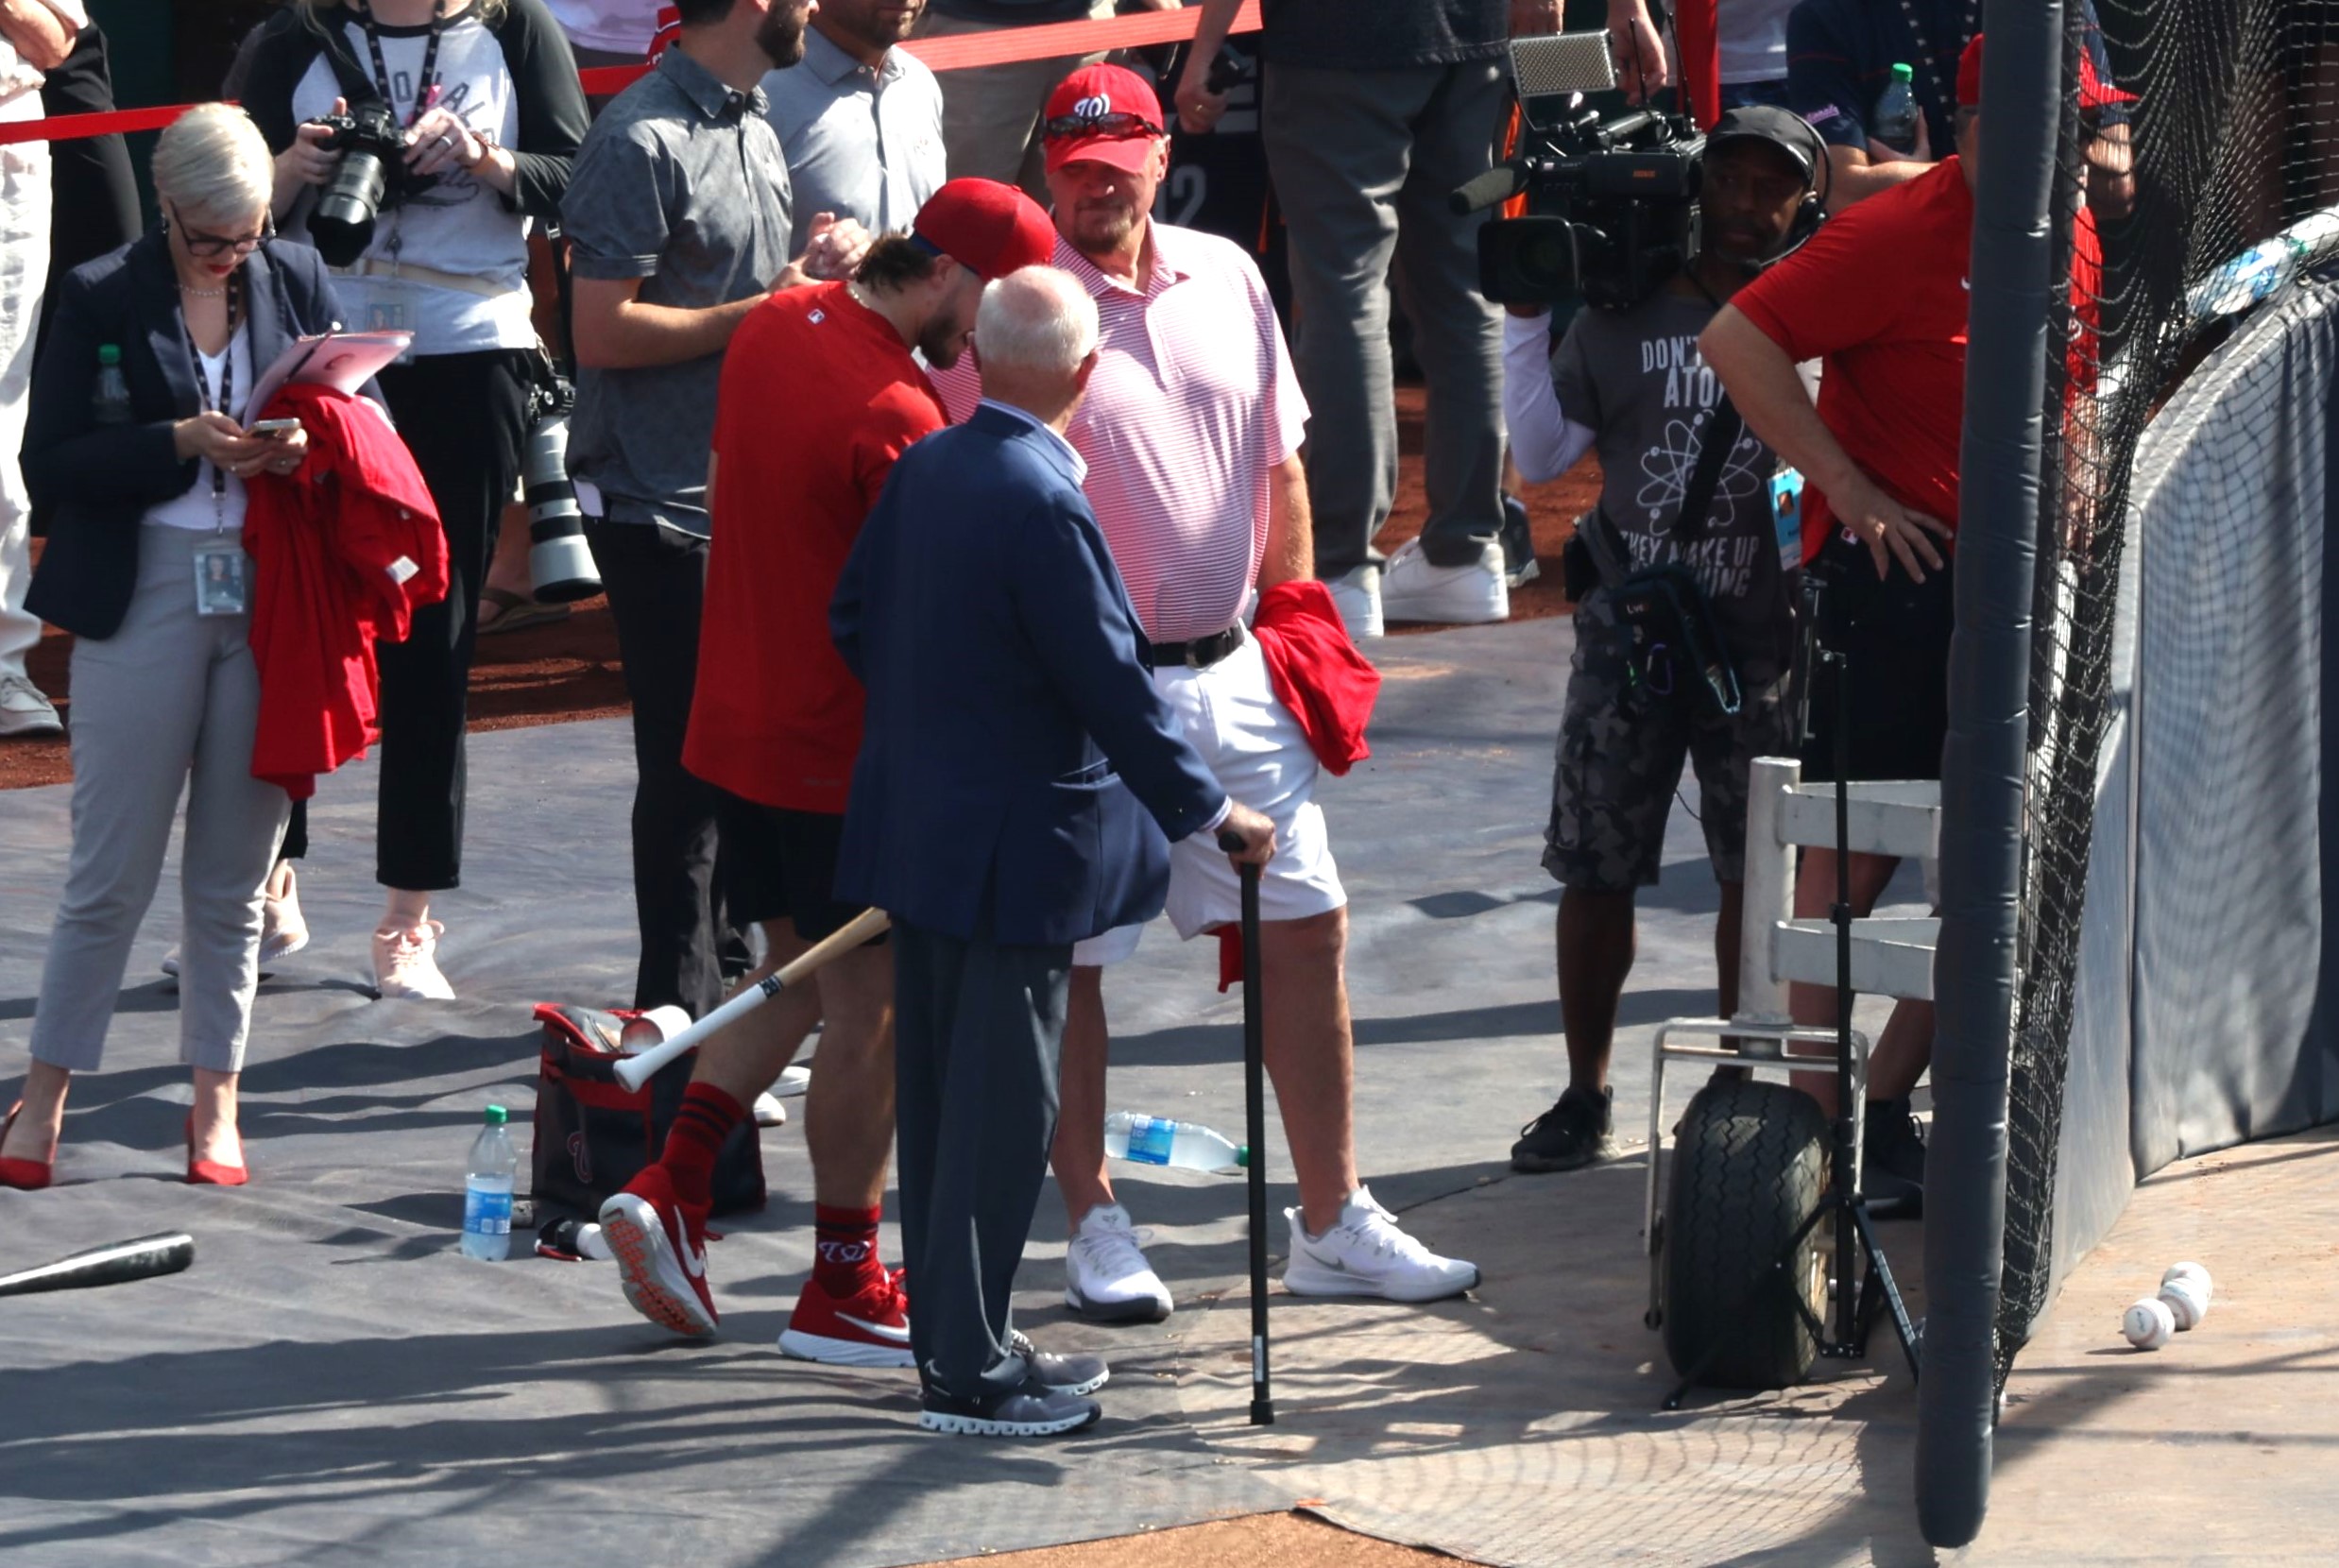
1029 1410
1062 1374
1575 1132
1519 565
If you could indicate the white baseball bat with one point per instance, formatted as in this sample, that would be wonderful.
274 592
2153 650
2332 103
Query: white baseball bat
634 1071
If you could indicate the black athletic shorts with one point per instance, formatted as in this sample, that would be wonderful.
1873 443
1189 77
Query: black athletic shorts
1895 637
779 864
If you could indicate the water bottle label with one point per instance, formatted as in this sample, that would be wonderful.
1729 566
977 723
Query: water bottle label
487 1213
1149 1138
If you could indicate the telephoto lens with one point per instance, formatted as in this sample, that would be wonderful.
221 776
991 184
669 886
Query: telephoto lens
559 562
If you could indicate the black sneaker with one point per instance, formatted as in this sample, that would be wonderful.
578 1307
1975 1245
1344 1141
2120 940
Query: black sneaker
1892 1160
1570 1136
1031 1410
1062 1374
1518 543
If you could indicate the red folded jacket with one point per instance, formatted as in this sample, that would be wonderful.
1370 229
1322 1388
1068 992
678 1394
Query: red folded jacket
1328 685
343 550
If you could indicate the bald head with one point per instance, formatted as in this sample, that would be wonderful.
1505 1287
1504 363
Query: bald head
1035 338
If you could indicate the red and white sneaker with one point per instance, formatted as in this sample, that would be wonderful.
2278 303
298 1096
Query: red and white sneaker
870 1328
662 1250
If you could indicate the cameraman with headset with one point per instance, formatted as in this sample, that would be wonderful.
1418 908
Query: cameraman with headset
1689 519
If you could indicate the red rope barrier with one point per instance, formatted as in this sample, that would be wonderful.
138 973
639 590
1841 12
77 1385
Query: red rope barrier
961 53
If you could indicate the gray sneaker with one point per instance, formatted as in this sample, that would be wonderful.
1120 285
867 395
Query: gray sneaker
24 711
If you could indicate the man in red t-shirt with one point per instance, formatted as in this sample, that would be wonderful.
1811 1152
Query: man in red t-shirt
1879 297
819 394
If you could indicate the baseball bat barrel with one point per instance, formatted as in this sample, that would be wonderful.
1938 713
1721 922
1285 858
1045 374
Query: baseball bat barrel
143 1257
634 1071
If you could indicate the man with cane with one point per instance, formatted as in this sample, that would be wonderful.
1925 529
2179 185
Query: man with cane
1014 749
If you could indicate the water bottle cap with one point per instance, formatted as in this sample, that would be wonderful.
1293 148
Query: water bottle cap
1243 1156
109 353
497 1115
1903 72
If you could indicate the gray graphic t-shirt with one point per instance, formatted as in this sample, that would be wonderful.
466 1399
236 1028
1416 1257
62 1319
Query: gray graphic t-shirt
1636 379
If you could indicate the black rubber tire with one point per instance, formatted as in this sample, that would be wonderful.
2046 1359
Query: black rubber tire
1749 1163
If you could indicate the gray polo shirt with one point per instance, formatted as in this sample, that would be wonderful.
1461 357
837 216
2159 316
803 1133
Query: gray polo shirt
681 184
862 144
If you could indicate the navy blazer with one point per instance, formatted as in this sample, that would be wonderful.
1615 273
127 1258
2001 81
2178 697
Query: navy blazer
981 610
103 479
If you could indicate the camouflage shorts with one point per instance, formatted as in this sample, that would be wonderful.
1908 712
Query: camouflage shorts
1619 761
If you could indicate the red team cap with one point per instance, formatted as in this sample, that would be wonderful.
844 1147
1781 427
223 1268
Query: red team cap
2094 91
1102 114
991 228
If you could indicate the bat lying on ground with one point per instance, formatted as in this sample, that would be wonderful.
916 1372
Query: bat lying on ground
143 1257
635 1071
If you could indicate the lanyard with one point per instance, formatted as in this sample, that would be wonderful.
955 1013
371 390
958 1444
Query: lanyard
217 400
423 83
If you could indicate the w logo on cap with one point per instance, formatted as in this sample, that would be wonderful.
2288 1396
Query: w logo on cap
1093 107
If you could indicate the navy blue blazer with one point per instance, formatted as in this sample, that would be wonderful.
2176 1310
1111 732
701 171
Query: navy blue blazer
102 479
1006 703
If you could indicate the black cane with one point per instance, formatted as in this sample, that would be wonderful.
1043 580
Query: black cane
1254 1135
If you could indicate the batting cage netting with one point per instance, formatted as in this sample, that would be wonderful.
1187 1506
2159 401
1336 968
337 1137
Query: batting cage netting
2168 934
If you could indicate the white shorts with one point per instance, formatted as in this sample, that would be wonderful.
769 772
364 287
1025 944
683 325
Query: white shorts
1256 749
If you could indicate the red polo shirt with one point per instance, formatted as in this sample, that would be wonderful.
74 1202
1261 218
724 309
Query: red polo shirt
1880 295
819 396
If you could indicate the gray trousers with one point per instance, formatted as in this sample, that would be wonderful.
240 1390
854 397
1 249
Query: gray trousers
1363 162
169 702
977 1029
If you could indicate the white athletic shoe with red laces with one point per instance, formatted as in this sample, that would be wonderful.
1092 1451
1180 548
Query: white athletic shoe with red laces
870 1328
660 1248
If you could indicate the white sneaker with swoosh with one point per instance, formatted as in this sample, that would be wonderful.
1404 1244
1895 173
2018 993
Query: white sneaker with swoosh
1365 1253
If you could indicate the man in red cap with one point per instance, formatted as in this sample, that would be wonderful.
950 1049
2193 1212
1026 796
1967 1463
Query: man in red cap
819 396
1191 430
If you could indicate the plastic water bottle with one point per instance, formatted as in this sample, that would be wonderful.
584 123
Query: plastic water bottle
1895 124
487 1190
111 403
1151 1140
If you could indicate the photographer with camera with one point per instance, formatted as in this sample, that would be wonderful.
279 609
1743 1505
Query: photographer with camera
1685 528
416 141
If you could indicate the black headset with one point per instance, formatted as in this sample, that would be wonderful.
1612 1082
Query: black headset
1811 211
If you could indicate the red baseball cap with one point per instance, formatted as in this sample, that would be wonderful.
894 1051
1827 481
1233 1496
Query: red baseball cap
992 227
2094 91
1102 114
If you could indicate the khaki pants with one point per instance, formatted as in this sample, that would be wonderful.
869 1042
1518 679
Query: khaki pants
991 116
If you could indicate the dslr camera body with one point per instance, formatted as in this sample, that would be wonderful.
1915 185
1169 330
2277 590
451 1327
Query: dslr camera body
370 175
1612 203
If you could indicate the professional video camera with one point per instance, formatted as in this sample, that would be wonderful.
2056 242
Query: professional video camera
371 174
1612 204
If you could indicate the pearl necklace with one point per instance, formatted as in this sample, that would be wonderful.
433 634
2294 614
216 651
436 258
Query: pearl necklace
202 293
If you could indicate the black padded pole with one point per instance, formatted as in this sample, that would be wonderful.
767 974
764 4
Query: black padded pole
1982 764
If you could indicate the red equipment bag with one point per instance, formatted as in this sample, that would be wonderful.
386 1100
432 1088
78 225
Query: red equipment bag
593 1134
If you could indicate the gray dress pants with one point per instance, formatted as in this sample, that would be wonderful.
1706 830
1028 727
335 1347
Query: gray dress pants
1363 162
170 702
977 1029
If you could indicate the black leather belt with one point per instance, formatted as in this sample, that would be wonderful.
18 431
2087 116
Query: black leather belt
1202 653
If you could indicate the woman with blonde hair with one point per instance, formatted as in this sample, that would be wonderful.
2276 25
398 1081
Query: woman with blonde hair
137 440
484 115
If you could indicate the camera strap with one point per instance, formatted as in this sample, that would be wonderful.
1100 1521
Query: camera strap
427 80
1721 433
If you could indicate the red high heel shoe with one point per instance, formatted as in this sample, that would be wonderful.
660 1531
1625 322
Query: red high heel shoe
24 1175
210 1173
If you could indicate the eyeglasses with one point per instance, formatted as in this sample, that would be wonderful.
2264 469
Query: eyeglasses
200 244
1118 123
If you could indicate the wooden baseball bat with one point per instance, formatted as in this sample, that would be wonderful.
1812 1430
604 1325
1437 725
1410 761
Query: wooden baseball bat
634 1071
143 1257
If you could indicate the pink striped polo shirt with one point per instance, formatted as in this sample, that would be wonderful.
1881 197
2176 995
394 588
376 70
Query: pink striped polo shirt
1192 404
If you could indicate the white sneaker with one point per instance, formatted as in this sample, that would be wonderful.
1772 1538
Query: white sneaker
24 712
1412 589
404 964
1106 1278
1358 594
768 1111
1366 1254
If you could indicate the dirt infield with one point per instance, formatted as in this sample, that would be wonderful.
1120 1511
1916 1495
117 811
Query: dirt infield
570 670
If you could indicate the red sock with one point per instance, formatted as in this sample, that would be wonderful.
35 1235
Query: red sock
707 1117
844 1247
